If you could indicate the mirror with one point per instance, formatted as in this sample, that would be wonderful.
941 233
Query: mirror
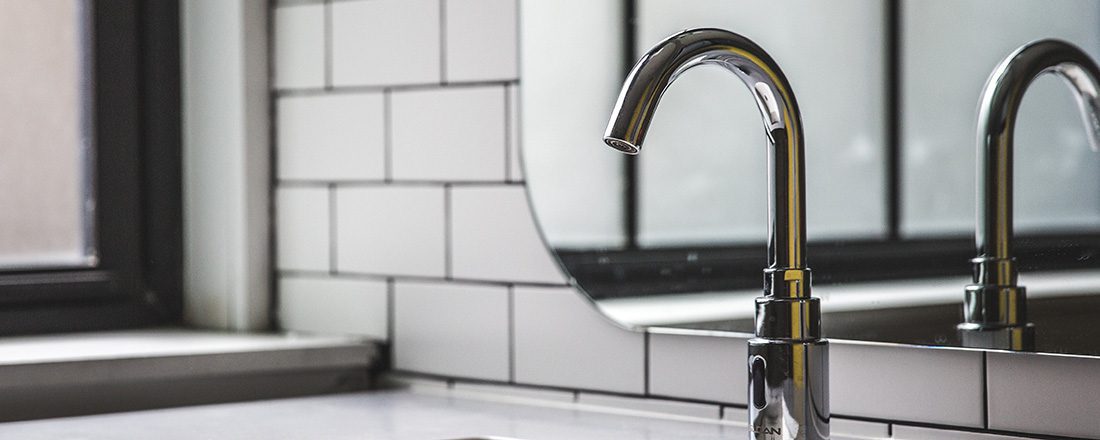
889 95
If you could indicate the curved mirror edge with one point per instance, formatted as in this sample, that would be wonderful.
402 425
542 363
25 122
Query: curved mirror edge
931 305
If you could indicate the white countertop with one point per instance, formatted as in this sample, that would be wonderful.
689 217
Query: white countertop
395 415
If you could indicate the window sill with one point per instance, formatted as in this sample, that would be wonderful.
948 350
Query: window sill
72 374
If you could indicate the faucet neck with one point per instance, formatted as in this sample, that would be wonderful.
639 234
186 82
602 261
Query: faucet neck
659 67
1000 103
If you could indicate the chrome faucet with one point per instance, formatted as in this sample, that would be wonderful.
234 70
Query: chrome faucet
995 307
788 358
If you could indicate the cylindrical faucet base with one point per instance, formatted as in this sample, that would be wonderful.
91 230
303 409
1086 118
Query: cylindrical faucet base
1016 338
788 389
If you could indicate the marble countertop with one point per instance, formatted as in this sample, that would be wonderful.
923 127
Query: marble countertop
396 415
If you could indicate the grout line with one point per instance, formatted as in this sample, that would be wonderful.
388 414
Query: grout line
351 275
443 41
645 365
274 319
332 237
387 134
448 238
391 315
312 91
328 44
511 334
507 133
306 183
890 429
985 390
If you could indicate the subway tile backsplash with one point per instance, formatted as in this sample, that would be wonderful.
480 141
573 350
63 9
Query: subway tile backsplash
494 237
561 341
333 305
942 386
452 330
299 46
302 236
401 214
920 433
390 229
1044 394
699 368
449 134
684 409
481 40
386 42
330 137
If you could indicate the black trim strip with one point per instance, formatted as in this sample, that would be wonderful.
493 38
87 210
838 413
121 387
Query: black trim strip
893 120
631 190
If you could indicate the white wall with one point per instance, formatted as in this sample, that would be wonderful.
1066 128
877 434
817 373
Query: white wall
226 163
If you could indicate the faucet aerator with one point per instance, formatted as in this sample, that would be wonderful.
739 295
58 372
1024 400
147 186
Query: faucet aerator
621 145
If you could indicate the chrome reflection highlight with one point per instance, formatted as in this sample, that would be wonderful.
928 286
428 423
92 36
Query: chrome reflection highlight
788 358
995 307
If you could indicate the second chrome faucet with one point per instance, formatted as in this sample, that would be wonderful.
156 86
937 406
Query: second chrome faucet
995 306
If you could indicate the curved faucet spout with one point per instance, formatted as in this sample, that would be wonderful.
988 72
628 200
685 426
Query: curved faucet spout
782 122
789 375
996 120
994 300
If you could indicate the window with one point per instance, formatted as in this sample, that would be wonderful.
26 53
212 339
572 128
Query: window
89 164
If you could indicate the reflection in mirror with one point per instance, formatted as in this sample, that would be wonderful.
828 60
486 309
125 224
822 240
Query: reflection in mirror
888 93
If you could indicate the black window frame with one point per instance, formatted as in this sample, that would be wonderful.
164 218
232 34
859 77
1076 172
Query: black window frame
135 92
634 270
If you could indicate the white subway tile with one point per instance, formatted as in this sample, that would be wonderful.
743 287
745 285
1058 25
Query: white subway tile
449 134
385 42
481 40
699 367
415 384
845 429
330 305
299 46
1044 394
452 330
494 237
736 415
918 384
658 406
903 432
561 340
302 228
390 230
511 393
515 156
331 137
